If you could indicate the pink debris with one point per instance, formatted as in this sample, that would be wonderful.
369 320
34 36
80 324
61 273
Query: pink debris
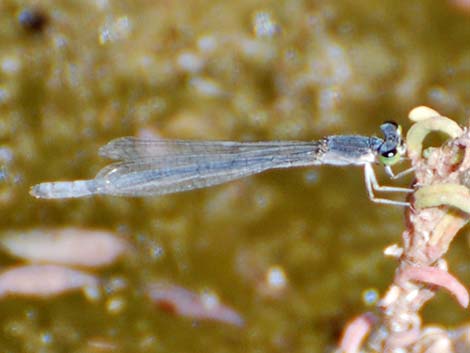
183 302
65 246
437 277
355 332
43 281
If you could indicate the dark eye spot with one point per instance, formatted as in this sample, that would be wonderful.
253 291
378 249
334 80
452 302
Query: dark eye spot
32 20
390 153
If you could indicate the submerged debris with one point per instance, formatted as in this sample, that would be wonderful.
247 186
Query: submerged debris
33 20
66 246
183 302
264 25
45 281
115 29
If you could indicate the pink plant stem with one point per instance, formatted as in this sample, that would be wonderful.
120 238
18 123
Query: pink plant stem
437 277
403 339
426 239
355 332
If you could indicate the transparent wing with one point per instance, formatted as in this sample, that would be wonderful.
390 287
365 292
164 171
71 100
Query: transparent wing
157 167
131 148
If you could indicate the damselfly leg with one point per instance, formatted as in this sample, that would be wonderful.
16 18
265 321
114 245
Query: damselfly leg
372 185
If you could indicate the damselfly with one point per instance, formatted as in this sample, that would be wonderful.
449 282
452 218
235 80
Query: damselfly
149 167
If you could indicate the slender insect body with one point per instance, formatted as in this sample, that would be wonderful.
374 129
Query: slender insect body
65 189
157 167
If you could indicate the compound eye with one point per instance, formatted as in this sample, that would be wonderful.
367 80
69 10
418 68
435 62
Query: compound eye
389 157
391 122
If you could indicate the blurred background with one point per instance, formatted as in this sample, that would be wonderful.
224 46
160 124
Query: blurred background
293 253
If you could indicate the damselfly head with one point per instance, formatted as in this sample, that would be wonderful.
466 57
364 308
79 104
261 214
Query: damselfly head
393 147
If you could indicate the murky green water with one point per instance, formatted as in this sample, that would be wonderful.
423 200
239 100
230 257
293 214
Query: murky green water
96 70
